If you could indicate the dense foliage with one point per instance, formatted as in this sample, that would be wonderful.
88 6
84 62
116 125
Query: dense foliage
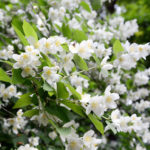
70 78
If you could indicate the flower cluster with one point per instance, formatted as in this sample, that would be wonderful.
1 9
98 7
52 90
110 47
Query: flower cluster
77 74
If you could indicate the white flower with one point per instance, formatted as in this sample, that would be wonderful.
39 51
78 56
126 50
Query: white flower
50 75
52 135
78 81
66 62
141 78
74 143
34 141
125 61
109 98
27 71
96 105
26 147
90 141
115 115
105 66
84 49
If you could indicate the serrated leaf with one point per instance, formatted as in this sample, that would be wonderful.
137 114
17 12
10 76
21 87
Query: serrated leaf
31 113
62 91
24 100
29 31
117 48
79 35
73 91
20 35
16 76
85 6
74 107
4 77
80 62
97 123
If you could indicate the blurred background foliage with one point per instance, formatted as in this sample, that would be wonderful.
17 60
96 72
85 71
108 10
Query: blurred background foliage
140 10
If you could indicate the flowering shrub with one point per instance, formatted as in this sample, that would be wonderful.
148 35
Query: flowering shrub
70 79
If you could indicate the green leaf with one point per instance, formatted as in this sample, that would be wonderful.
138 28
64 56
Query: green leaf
61 130
111 127
84 76
74 107
85 6
117 48
24 100
30 113
73 91
96 4
16 76
29 31
47 87
65 47
20 35
47 60
80 62
66 31
78 35
4 77
59 111
7 62
97 123
62 91
96 59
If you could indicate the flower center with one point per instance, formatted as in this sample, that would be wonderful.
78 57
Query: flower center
73 144
108 99
48 72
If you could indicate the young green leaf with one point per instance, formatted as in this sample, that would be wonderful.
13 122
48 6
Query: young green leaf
117 48
78 35
31 113
20 35
4 77
66 31
84 76
97 123
74 107
62 91
47 60
85 6
80 62
65 47
24 100
73 91
29 31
